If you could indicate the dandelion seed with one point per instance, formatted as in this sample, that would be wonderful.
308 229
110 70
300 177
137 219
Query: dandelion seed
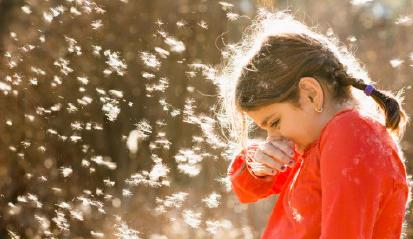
48 17
31 198
64 205
360 2
111 110
96 50
13 35
395 63
132 142
191 218
64 65
13 235
85 163
26 9
232 16
14 210
85 100
96 24
152 179
115 63
226 5
116 93
56 107
150 60
25 144
83 80
203 24
148 75
212 201
77 215
157 236
75 11
97 126
116 202
6 88
42 179
214 226
99 160
37 70
162 52
76 125
126 193
175 45
97 234
12 64
144 127
56 81
66 171
33 81
71 108
124 232
181 23
207 125
174 200
99 10
75 138
61 221
158 170
101 91
43 221
188 162
162 140
73 47
159 22
404 21
189 169
42 148
352 39
27 47
109 183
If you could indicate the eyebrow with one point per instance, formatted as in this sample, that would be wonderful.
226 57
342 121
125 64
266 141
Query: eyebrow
264 122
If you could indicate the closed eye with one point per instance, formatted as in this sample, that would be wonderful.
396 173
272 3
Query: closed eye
275 123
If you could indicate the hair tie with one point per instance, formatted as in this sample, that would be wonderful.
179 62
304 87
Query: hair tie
368 90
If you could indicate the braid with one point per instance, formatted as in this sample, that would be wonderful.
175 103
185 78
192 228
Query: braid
388 103
395 116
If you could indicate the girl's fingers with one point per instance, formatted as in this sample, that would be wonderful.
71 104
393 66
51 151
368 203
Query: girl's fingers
275 153
285 146
263 158
262 170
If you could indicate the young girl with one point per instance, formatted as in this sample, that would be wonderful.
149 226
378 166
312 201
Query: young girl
332 153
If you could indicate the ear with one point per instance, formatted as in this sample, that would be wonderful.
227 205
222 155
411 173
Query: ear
311 92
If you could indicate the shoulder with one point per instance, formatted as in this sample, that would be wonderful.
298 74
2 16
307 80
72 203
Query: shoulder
354 127
354 136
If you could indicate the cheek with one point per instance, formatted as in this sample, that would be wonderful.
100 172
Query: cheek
295 128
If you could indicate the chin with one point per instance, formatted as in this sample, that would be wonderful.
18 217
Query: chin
299 148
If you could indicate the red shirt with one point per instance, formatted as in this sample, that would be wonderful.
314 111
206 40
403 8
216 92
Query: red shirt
350 183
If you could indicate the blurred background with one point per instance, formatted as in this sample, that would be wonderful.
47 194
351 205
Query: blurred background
107 124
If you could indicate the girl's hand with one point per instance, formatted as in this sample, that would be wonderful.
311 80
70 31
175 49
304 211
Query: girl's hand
271 157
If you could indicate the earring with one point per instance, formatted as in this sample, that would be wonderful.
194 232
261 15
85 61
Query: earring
319 110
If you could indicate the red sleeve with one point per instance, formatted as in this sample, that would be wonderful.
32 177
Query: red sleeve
352 170
250 188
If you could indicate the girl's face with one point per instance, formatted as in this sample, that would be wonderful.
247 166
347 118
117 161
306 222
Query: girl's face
300 125
286 121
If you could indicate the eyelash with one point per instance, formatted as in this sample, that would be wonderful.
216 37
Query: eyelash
274 123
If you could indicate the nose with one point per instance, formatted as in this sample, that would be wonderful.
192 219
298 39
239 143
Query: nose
273 137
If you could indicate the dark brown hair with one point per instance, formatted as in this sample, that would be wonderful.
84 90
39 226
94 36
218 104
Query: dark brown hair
287 50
